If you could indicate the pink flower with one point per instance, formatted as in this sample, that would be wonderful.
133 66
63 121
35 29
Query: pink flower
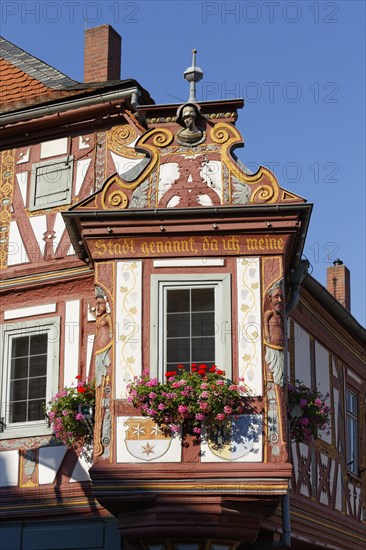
174 427
203 405
318 402
197 430
79 416
220 416
220 382
303 403
204 395
161 406
182 409
199 416
204 386
304 421
227 409
65 413
152 395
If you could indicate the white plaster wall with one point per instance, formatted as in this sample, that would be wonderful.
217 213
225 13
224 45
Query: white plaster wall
16 250
39 226
169 173
249 323
211 173
22 178
302 354
322 380
9 468
50 459
247 447
29 311
54 147
82 167
72 336
128 324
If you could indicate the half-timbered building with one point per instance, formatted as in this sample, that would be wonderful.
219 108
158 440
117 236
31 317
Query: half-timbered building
106 195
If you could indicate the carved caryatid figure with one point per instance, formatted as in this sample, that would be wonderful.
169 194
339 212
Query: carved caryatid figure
103 345
187 116
104 335
274 334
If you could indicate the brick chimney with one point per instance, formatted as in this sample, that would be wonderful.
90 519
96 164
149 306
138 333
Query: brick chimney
102 54
339 284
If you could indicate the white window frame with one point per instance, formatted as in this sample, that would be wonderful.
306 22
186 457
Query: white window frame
352 446
68 169
8 332
221 282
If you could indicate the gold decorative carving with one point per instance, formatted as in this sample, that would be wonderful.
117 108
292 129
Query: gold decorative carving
228 136
161 137
119 137
7 163
220 133
118 199
264 193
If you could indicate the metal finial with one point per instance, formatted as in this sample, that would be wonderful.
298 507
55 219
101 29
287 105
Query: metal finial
193 74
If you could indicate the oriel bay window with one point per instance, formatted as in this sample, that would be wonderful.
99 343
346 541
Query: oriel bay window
191 322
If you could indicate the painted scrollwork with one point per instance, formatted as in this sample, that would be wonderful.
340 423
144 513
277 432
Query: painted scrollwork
161 137
119 137
220 133
263 193
118 199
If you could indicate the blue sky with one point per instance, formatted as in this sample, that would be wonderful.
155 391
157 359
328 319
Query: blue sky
299 65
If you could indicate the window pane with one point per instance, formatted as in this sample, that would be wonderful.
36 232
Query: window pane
38 344
178 350
38 366
203 324
35 410
177 301
19 368
203 350
18 412
177 324
173 366
20 346
203 299
18 390
37 388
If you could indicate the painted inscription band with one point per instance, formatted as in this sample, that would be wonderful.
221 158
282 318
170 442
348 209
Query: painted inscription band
229 245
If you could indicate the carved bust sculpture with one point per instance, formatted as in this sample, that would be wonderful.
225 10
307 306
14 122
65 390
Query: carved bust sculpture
187 117
274 334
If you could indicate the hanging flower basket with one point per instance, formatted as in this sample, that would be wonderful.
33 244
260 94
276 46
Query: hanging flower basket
187 399
308 412
70 414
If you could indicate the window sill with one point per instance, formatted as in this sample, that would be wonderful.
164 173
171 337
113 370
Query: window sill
26 430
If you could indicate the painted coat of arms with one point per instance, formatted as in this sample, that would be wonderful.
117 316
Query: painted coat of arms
144 440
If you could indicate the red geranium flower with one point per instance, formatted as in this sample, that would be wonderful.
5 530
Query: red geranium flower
81 389
170 373
78 377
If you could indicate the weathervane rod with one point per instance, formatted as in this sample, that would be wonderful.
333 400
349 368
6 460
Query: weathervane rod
193 75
